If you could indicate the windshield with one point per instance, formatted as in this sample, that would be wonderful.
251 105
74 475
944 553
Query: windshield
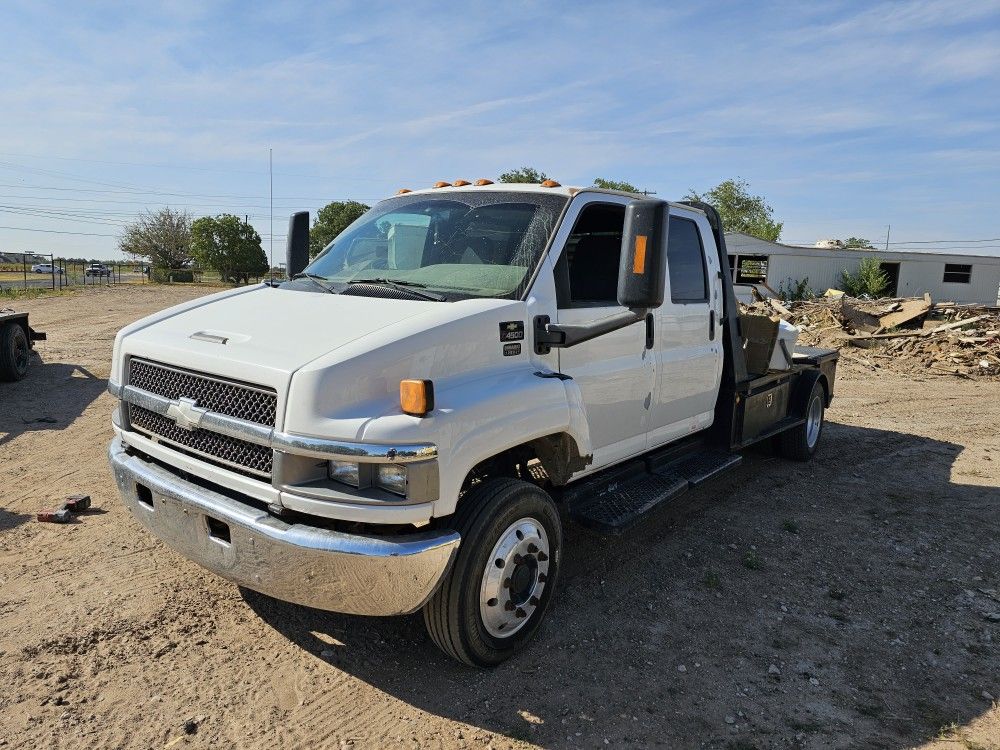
464 244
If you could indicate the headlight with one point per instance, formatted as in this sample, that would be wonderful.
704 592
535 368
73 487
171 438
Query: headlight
391 477
346 472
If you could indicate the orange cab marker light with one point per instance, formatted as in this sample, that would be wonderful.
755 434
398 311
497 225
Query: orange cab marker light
639 261
460 183
416 397
442 184
480 182
551 183
403 190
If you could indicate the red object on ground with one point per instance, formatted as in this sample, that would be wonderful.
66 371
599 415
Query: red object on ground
56 516
76 503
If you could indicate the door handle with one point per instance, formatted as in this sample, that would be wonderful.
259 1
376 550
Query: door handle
711 325
649 330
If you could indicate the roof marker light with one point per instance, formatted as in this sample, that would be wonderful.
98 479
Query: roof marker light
440 184
403 190
461 183
480 182
551 183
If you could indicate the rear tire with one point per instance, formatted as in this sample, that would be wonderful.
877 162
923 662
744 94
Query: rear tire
504 521
800 443
14 352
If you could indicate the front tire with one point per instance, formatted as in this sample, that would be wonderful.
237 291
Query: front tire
495 597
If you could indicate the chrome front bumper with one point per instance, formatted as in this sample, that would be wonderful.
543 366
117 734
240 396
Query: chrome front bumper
355 574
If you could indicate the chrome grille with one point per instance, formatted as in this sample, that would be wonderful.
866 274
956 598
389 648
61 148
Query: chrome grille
239 400
237 454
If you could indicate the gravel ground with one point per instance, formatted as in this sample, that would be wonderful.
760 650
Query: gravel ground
853 601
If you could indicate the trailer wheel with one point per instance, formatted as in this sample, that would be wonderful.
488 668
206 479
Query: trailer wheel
496 594
800 443
14 351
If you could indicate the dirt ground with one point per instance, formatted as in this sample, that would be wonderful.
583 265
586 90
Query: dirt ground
853 601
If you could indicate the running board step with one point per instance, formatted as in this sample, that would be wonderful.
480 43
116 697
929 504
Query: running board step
612 502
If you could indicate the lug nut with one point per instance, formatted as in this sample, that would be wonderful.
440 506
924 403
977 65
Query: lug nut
518 559
509 606
520 613
533 601
532 548
542 557
506 583
542 578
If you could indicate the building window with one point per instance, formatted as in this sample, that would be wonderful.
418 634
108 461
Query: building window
956 273
751 269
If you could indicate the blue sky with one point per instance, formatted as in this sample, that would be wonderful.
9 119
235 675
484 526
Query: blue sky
847 117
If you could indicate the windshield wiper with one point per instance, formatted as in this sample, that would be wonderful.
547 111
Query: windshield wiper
317 280
410 287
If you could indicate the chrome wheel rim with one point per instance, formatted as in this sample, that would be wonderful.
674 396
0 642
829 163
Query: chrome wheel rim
515 577
814 421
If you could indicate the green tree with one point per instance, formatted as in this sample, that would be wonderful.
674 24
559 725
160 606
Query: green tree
524 174
331 220
858 242
741 211
230 246
869 279
162 238
628 187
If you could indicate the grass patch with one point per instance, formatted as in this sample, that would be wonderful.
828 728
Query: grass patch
752 561
712 580
790 525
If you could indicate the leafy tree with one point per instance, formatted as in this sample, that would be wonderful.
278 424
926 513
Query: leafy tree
524 174
741 211
869 279
162 238
628 187
331 220
230 246
858 242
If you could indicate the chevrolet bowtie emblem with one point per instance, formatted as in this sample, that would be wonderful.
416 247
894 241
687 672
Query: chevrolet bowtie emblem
186 413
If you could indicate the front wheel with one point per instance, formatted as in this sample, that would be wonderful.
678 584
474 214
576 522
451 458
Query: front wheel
495 596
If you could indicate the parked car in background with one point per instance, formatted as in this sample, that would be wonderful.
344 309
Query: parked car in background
97 269
45 268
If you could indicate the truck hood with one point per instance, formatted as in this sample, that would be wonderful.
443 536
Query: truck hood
267 329
265 335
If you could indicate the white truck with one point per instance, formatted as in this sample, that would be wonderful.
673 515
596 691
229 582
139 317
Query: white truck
409 420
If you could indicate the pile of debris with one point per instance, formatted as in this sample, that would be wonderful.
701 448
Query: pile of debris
911 334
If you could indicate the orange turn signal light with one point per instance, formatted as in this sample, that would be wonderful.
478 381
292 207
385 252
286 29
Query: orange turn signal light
480 182
416 397
551 183
439 183
403 190
460 183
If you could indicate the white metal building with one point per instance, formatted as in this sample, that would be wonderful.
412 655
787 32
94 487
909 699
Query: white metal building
959 278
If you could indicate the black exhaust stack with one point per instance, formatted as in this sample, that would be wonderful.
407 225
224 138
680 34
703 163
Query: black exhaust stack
297 248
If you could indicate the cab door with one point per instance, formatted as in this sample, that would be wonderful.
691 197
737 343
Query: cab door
614 372
688 339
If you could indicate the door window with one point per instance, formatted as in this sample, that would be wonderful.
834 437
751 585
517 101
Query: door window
686 260
587 272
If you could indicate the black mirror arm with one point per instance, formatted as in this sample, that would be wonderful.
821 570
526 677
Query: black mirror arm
562 335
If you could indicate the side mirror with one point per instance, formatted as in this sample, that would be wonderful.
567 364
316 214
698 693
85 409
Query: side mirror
297 243
642 273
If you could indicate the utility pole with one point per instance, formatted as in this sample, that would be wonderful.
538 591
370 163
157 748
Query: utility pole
270 174
887 229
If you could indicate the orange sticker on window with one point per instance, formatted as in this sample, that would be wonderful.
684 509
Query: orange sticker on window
639 261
